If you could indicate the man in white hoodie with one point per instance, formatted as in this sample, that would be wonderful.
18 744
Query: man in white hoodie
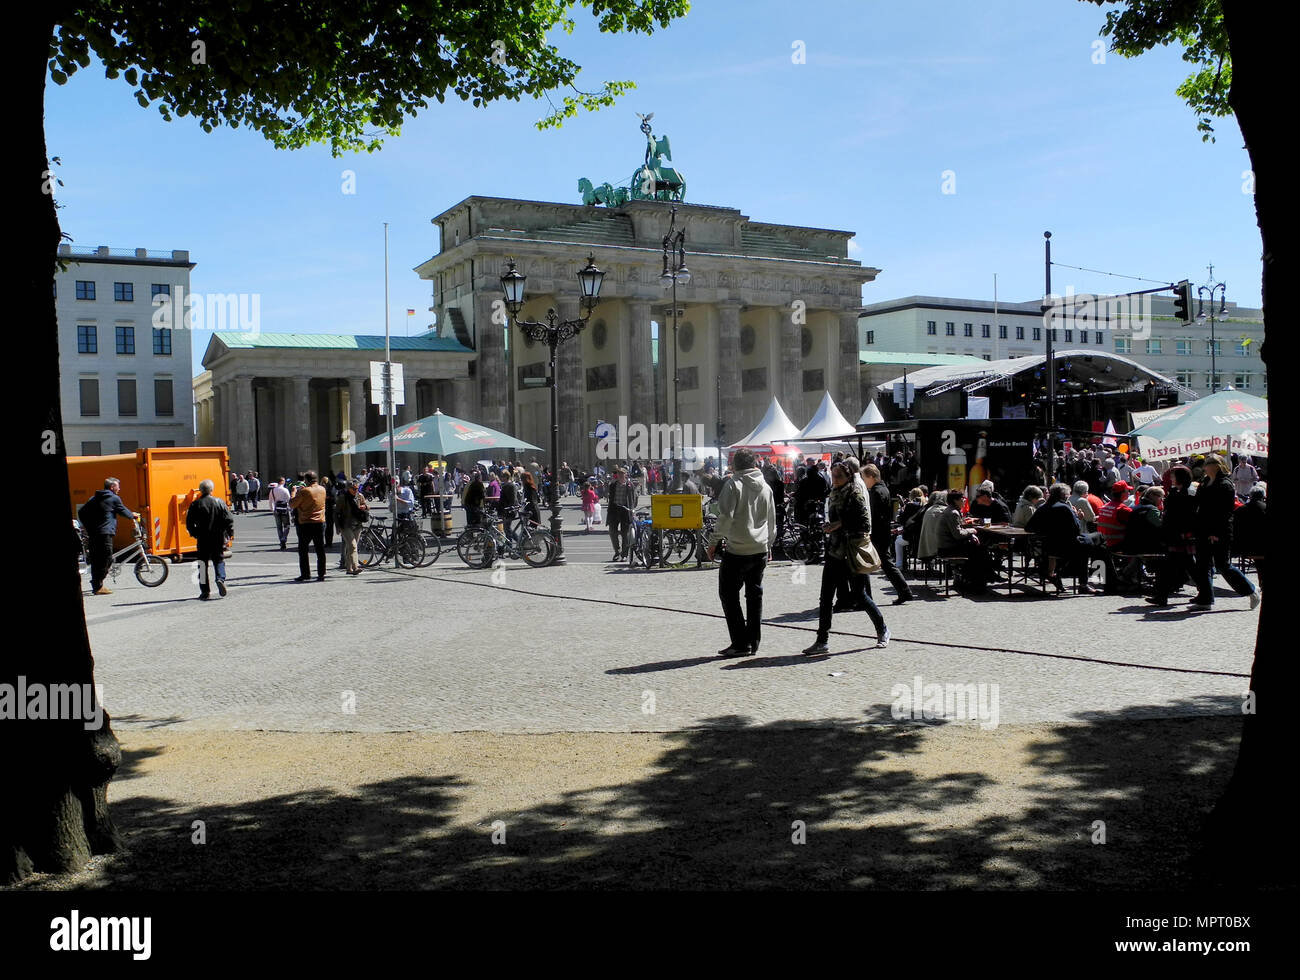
747 522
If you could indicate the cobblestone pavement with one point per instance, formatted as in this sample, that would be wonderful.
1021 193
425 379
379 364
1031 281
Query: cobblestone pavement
593 646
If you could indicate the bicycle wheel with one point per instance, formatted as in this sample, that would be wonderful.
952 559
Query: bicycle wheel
475 547
797 548
679 547
432 547
150 571
370 549
537 548
410 548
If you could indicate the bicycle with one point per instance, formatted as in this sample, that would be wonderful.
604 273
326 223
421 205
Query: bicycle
378 542
150 570
479 545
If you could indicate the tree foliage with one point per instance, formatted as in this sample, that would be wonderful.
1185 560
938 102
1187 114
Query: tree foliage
1198 26
344 74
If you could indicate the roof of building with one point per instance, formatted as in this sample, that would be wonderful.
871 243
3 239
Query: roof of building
1085 367
912 357
428 341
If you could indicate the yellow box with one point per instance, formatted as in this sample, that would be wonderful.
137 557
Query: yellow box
683 511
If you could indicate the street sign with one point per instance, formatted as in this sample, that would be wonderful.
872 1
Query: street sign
377 384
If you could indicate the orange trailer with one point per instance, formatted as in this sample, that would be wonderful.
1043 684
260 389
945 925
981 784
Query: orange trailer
159 484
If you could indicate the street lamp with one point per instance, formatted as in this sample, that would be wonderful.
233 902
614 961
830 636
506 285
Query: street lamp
553 333
1201 292
675 256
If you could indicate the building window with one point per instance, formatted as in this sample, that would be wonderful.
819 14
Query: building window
871 336
124 292
1215 348
1243 347
89 396
1052 334
1123 345
1020 333
1184 377
987 357
91 448
968 330
1214 380
126 340
166 443
931 328
1153 345
1241 380
1002 331
85 289
1038 333
126 397
1099 341
1183 347
127 446
1069 336
984 331
159 289
87 339
162 340
162 397
950 328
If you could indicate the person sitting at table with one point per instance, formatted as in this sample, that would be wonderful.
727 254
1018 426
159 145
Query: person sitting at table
1144 534
989 507
1064 540
1179 527
911 531
928 540
1028 503
1080 501
956 541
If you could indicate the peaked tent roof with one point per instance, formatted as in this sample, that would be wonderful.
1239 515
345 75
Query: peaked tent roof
826 421
775 425
871 415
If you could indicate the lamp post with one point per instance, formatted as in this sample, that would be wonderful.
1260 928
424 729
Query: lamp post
675 255
553 333
1201 292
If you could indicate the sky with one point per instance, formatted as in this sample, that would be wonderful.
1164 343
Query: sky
1006 102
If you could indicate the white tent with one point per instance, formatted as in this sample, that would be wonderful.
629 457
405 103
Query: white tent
826 421
775 425
871 415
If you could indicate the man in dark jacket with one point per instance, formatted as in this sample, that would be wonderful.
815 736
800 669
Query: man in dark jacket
209 522
1215 501
1249 532
882 536
98 516
808 496
774 482
990 506
1064 540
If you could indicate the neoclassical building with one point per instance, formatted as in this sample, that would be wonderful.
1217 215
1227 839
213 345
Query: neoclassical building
283 403
769 310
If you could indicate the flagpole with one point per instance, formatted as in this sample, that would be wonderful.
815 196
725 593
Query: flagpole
388 387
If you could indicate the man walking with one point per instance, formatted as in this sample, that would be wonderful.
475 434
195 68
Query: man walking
747 522
622 502
353 512
98 516
1215 501
309 504
210 523
882 516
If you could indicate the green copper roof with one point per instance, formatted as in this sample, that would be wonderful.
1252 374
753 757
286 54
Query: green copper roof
428 341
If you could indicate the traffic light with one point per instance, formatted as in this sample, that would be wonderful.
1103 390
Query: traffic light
1183 301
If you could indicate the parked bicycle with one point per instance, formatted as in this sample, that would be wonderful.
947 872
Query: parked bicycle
150 570
403 542
480 545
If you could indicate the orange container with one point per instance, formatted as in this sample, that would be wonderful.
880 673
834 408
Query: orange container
159 484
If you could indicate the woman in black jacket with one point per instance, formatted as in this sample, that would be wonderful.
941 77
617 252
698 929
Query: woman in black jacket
1215 501
532 500
850 520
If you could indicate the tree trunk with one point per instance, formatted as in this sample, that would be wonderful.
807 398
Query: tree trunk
1250 828
55 812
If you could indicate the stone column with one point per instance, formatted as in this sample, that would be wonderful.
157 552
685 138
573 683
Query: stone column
850 393
287 455
791 365
572 384
357 409
729 368
217 432
641 364
411 410
461 400
300 415
493 377
245 419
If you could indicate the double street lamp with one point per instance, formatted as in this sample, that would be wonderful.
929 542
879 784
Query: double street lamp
1201 292
675 272
553 333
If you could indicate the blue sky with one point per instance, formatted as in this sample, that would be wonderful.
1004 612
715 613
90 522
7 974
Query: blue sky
1003 93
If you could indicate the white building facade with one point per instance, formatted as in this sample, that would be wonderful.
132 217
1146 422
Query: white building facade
124 384
1179 351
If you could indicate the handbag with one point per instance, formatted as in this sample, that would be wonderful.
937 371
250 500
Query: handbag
862 556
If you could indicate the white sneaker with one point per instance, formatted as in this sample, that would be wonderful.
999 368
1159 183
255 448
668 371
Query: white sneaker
883 639
1255 599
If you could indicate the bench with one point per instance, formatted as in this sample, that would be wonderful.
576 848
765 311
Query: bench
946 564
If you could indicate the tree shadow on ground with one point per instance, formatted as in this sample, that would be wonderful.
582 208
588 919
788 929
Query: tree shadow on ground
723 806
